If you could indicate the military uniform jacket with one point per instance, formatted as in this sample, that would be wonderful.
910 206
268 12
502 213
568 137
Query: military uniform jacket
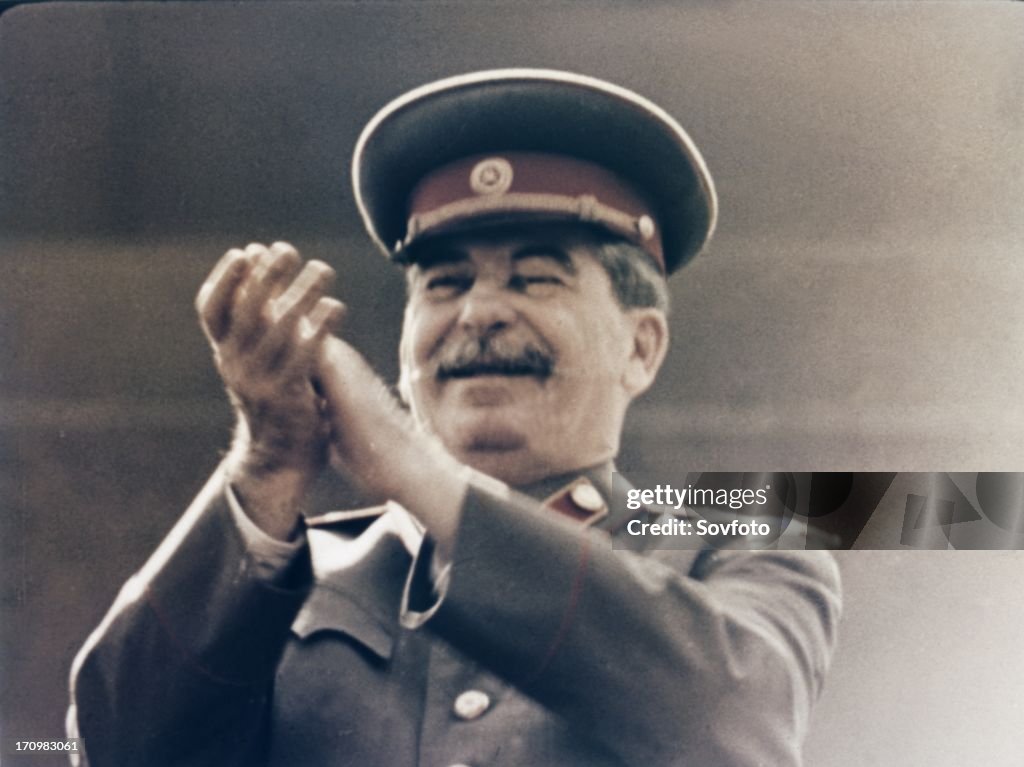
538 645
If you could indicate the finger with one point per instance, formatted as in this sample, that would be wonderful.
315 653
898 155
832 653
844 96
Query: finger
325 318
272 270
303 294
294 304
267 264
259 254
284 263
249 303
216 296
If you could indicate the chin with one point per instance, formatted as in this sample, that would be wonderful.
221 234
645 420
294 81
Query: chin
496 446
488 434
516 467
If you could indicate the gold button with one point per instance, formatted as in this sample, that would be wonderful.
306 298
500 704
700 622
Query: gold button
472 704
645 227
586 497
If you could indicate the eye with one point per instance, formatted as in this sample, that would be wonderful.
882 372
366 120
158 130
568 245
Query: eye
444 285
535 283
542 279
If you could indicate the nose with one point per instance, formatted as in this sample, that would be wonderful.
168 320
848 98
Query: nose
486 308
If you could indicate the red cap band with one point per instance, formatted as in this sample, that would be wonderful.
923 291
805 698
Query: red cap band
530 185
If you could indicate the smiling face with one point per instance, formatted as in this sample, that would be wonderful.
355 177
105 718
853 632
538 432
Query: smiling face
516 354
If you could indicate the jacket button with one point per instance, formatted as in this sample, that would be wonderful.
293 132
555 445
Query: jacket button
471 704
586 497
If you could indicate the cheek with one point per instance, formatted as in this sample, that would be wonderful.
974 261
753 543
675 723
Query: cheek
597 350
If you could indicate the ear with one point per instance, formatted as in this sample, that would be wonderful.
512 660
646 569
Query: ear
650 344
404 392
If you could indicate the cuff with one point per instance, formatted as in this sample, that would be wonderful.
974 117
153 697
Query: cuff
271 557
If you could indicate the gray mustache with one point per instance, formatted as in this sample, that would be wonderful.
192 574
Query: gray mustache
494 355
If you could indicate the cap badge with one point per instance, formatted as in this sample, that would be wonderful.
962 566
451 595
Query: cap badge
491 176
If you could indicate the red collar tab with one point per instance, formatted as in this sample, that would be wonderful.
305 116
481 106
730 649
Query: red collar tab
580 501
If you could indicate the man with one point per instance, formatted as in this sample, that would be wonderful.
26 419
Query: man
479 616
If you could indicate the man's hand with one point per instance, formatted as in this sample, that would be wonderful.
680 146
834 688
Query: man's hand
266 314
380 446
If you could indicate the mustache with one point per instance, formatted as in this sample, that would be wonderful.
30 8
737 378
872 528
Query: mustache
494 355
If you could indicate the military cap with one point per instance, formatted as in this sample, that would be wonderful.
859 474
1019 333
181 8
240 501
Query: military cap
526 145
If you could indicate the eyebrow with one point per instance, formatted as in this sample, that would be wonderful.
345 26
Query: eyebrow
430 258
550 252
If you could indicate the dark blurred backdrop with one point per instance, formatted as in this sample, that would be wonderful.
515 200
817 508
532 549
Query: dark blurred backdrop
859 308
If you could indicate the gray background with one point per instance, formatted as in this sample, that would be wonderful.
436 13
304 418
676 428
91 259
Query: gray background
859 308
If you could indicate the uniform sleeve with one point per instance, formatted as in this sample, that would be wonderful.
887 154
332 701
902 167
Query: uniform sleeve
635 651
180 670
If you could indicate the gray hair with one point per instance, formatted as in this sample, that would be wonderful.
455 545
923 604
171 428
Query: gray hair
637 282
